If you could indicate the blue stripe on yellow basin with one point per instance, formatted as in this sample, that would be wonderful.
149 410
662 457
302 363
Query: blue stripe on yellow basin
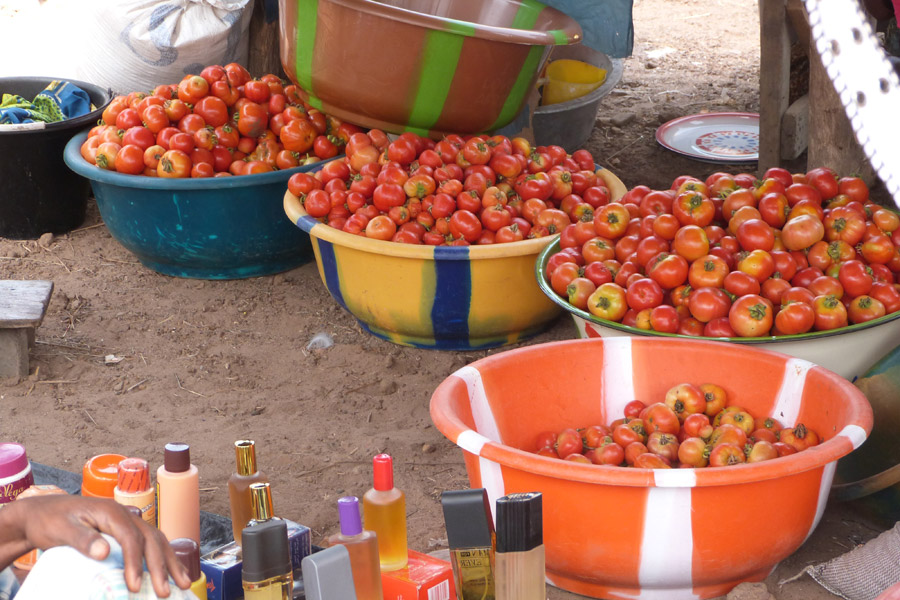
453 298
307 19
439 57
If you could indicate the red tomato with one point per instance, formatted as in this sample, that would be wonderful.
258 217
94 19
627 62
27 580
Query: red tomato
609 301
751 316
644 293
174 163
668 270
708 303
830 312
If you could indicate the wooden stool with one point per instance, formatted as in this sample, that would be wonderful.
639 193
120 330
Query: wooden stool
22 308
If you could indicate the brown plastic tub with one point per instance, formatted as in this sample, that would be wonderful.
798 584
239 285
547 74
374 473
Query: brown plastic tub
427 66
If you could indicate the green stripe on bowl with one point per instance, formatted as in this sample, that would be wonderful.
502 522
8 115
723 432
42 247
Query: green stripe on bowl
520 89
307 11
527 14
559 36
439 57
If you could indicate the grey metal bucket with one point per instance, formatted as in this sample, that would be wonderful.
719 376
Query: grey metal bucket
569 124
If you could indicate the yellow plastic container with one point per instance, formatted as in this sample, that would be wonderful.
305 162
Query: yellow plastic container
568 79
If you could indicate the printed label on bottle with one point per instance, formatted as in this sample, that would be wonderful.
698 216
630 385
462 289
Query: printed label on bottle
477 558
11 487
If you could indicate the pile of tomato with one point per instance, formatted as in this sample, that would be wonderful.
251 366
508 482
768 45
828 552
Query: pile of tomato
457 191
693 427
731 256
218 123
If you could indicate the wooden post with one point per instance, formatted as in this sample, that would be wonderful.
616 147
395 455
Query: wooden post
774 79
265 40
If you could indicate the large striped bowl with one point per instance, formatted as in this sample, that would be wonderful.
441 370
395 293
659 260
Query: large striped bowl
615 532
427 66
444 297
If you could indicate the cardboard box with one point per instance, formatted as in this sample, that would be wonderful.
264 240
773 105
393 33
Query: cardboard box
424 578
222 566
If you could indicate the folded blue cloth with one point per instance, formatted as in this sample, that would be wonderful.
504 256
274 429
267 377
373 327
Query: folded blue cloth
58 101
607 24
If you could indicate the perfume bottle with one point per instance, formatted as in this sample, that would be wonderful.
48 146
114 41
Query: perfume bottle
384 513
520 548
266 572
363 548
239 485
470 534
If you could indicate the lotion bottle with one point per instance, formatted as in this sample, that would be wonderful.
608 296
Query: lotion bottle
178 494
384 514
363 548
133 488
239 486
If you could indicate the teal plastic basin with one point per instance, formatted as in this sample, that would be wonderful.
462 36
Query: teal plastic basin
213 228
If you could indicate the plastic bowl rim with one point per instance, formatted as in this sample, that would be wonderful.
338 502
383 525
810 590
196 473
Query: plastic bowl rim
490 32
811 458
76 162
553 247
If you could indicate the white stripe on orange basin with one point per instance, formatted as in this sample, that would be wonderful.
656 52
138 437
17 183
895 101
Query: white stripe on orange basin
618 381
485 423
787 402
854 433
486 427
824 490
667 515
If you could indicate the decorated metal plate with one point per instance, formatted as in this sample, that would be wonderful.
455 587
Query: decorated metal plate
713 137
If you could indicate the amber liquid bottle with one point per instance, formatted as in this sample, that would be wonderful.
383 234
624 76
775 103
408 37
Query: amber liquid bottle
362 547
239 486
384 513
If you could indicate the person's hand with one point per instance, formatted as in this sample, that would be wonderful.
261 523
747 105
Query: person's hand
49 521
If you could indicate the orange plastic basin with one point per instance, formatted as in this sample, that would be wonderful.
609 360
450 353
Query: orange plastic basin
615 532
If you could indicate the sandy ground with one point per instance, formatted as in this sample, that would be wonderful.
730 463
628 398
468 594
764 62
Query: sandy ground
212 362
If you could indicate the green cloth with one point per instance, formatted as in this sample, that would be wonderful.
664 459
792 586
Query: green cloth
42 108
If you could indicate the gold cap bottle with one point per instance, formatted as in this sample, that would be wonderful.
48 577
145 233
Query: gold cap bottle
261 502
245 454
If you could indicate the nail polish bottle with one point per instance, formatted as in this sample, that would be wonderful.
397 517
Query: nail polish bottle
363 548
239 485
384 513
470 534
520 548
133 488
178 494
266 570
188 552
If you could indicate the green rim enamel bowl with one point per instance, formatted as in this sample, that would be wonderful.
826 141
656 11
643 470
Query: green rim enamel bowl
849 351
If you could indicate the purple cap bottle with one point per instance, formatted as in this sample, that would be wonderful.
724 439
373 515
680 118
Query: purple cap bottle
348 513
